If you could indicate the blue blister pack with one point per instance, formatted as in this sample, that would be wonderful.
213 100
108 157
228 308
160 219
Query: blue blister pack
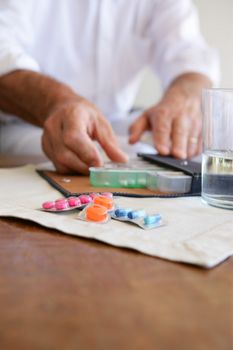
138 217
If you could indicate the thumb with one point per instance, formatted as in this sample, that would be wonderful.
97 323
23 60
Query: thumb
137 128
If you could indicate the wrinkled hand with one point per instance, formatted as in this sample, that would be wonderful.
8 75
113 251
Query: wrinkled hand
176 126
68 137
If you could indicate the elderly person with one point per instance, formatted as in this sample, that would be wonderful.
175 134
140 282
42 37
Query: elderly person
68 69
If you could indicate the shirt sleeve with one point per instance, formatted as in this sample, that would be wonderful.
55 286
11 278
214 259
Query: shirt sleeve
178 46
15 36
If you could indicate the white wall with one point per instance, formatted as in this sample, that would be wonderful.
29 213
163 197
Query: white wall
216 19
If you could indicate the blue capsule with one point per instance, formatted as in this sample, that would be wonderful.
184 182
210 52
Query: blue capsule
152 219
135 214
122 212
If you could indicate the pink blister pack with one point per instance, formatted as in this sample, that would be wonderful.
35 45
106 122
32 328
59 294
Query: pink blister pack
71 203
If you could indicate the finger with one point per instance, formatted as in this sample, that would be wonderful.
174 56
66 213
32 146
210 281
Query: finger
137 128
79 142
65 160
107 139
194 140
161 127
199 148
46 145
180 134
68 160
196 146
193 145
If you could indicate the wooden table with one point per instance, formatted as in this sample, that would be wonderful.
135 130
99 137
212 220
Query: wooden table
61 292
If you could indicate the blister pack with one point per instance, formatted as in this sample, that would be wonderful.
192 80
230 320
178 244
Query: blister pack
138 217
75 202
99 210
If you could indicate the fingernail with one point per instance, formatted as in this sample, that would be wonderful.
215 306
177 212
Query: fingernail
131 138
164 149
181 155
96 163
126 157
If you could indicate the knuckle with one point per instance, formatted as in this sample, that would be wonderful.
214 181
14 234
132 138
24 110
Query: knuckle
160 110
48 126
102 122
73 138
70 138
59 158
79 111
62 158
182 125
163 125
197 123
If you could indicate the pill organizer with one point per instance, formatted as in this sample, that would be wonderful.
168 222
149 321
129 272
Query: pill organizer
134 176
169 181
138 173
127 175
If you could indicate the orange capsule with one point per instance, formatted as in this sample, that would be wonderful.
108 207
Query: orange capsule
104 201
96 213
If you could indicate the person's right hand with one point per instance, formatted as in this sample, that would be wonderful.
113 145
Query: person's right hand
68 137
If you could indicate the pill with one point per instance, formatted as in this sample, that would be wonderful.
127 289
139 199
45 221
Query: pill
93 195
85 199
66 180
123 183
107 194
96 213
152 219
74 201
61 205
60 200
104 201
48 205
135 214
122 212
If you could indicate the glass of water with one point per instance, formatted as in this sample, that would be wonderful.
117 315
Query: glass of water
217 159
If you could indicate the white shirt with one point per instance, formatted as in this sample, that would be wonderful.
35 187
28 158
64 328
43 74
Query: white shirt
100 47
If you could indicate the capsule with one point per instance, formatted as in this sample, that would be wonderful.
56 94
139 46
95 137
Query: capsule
135 214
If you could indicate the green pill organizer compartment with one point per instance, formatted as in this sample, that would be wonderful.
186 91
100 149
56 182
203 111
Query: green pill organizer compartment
139 173
123 175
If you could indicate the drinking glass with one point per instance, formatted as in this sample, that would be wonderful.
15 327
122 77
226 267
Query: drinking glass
217 158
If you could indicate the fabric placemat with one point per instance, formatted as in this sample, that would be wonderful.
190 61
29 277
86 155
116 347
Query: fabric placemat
194 233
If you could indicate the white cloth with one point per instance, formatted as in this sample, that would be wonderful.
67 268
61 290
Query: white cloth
99 47
194 232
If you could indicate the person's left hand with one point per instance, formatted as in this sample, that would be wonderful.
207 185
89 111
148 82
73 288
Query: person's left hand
175 123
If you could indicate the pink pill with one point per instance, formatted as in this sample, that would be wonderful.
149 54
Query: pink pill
74 202
85 199
61 200
61 205
48 205
107 194
93 195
